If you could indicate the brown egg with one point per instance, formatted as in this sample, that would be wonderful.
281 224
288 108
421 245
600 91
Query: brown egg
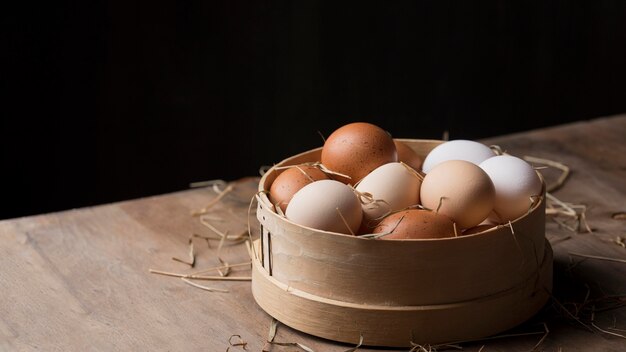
459 190
408 156
357 149
415 224
478 229
291 181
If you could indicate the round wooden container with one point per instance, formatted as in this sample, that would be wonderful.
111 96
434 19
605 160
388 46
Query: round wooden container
394 292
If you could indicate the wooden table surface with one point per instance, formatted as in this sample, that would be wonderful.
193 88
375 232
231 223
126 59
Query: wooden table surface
78 280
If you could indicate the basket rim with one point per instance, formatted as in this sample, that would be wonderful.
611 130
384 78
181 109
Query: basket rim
262 198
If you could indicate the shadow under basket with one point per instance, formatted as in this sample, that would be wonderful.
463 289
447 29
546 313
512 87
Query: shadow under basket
394 292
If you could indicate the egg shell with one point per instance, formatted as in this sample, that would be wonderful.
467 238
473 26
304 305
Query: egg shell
393 183
478 229
357 149
492 219
516 182
415 224
291 181
317 205
466 192
408 155
459 149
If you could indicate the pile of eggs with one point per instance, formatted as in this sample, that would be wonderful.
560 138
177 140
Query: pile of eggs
367 183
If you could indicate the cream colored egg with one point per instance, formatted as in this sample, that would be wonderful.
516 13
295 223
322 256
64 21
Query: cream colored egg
290 181
321 205
459 149
461 190
517 186
393 186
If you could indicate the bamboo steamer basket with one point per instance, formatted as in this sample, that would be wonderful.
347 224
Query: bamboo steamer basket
394 292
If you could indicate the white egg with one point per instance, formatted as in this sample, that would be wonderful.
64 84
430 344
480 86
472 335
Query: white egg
516 183
459 149
394 185
318 205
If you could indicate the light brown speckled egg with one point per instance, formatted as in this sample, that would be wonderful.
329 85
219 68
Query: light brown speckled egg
357 149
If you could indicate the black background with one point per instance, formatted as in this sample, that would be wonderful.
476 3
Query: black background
107 100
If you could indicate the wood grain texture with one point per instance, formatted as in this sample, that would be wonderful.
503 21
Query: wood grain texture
78 280
394 325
